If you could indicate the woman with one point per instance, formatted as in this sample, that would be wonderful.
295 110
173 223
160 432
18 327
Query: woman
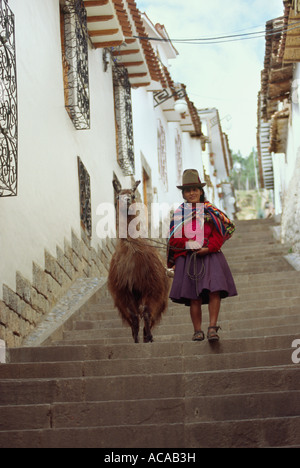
202 274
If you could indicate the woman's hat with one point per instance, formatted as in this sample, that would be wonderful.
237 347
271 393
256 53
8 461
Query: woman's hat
191 178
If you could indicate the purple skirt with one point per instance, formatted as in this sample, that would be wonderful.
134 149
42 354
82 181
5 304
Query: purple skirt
195 277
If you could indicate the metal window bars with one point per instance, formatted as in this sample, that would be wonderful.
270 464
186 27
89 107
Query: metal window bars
123 117
75 63
8 104
85 198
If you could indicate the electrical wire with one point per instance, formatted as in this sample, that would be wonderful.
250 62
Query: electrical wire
226 38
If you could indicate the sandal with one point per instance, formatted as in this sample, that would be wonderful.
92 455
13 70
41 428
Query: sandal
212 334
199 336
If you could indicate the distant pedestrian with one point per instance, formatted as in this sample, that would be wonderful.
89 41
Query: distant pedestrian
202 274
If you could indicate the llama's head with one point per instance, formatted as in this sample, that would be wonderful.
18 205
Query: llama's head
125 197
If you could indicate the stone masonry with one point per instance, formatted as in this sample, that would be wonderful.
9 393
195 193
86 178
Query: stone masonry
22 310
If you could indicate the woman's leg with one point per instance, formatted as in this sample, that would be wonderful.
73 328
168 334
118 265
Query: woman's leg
214 308
196 314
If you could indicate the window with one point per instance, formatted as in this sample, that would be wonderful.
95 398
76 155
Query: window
178 149
85 198
123 119
162 154
74 42
8 104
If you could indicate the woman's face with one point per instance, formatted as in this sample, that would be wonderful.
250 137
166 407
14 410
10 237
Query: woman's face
192 194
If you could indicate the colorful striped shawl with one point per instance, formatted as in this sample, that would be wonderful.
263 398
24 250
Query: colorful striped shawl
223 224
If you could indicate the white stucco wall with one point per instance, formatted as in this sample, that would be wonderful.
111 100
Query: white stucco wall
47 205
287 173
145 122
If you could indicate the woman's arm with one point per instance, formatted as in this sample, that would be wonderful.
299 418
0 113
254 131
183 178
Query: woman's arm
216 241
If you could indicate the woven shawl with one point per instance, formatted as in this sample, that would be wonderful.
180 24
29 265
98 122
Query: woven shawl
223 224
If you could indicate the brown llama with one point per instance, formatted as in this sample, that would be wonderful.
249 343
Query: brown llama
137 278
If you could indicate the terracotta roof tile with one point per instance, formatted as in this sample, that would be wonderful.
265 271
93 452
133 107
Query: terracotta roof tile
152 60
123 18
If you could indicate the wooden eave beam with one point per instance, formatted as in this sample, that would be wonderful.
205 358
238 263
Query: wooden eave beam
126 52
104 32
100 45
93 3
99 19
137 75
139 85
132 64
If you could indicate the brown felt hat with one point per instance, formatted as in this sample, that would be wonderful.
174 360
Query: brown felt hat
191 178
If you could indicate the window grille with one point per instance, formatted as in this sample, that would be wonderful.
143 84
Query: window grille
162 154
8 104
178 149
123 118
74 38
85 198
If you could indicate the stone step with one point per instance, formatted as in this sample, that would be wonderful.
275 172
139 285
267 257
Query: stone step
255 279
158 365
230 310
292 321
253 224
81 353
176 317
246 268
249 241
252 256
244 289
96 388
253 433
235 334
246 295
128 413
145 386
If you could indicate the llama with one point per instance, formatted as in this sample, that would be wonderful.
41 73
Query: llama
137 278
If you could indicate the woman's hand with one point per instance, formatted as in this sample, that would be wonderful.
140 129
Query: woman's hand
204 251
193 245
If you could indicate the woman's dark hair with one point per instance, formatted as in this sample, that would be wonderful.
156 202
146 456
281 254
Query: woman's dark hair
202 198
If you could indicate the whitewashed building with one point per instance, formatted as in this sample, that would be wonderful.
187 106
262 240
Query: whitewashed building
279 120
85 98
217 162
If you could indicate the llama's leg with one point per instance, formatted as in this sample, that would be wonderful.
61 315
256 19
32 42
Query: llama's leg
148 338
135 326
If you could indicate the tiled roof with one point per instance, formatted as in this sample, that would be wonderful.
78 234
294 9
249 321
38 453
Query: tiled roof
277 76
118 25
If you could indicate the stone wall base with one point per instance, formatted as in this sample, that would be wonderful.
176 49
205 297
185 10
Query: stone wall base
22 310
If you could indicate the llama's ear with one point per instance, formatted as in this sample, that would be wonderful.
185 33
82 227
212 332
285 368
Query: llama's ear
136 186
117 186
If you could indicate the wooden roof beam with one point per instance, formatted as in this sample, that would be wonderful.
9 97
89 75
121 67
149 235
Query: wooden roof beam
132 64
126 52
99 19
100 45
104 32
93 3
137 75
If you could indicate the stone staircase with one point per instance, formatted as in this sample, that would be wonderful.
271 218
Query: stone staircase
95 388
